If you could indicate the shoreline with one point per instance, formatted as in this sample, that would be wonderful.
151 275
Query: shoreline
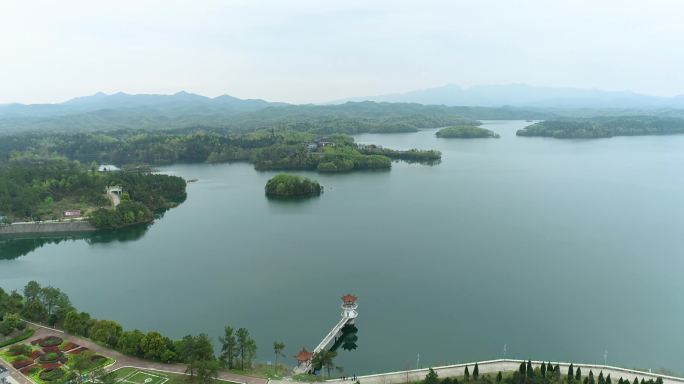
46 227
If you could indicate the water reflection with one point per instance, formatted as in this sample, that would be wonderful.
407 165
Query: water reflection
14 247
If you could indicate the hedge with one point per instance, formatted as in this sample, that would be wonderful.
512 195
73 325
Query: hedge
24 336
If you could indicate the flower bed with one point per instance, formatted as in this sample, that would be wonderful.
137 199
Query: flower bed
51 349
51 374
51 365
69 346
50 357
51 341
35 355
18 364
36 341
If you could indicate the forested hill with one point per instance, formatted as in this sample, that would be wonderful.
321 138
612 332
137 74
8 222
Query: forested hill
183 110
599 127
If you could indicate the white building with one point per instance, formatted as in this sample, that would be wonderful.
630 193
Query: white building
108 168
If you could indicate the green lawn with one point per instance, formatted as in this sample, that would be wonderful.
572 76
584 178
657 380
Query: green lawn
139 376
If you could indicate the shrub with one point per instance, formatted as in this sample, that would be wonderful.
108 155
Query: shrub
50 357
19 349
51 341
51 374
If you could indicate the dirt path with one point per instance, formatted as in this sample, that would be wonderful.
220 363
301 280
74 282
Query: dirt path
128 361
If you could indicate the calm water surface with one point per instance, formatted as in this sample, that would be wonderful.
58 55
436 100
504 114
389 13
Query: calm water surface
559 250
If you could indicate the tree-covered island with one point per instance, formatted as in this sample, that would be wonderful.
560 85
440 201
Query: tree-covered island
58 189
266 149
605 126
287 186
466 132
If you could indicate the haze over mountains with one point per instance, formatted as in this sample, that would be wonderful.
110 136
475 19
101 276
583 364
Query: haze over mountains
520 95
183 110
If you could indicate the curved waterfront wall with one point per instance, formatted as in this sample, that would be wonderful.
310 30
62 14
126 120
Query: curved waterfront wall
508 365
46 227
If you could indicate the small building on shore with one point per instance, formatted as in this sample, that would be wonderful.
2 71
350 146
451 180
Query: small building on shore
108 168
72 213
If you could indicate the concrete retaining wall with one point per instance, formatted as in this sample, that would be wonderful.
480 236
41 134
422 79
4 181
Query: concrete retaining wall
46 227
492 367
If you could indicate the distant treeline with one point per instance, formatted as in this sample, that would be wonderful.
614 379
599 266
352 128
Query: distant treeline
267 150
599 127
349 118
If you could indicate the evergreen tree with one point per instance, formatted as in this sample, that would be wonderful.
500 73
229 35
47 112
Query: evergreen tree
608 381
571 372
636 381
591 377
659 380
431 377
523 369
499 377
557 372
642 380
601 380
621 381
476 372
578 374
543 369
466 374
530 370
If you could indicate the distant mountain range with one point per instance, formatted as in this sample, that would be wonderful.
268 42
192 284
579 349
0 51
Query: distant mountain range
520 95
186 110
178 103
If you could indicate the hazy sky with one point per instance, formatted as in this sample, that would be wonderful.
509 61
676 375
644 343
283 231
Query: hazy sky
320 50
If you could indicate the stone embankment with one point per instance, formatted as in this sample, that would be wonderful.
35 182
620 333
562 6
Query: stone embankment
46 227
492 367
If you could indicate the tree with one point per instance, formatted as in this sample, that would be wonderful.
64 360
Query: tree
324 359
278 348
78 323
571 372
530 370
106 331
31 291
246 347
466 374
130 343
608 380
556 372
601 379
228 348
499 377
207 369
578 374
431 377
195 351
659 380
522 370
543 369
154 346
476 372
591 377
81 362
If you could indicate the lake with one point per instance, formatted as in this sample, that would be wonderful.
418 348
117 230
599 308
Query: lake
556 249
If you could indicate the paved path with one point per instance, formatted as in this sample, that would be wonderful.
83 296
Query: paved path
116 200
128 361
